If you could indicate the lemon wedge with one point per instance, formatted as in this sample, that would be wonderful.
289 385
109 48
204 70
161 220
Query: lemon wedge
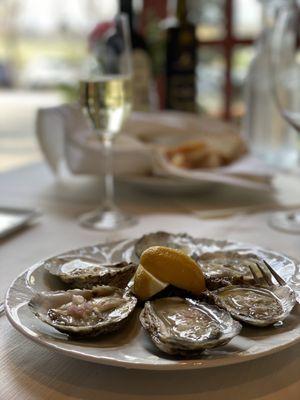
145 285
174 267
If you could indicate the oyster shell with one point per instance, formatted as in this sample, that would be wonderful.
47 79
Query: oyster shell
187 327
255 305
231 266
182 242
81 272
87 312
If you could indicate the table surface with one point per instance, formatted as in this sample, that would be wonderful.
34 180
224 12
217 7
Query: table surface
28 371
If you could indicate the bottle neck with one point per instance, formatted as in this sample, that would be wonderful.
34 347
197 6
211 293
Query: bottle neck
126 8
137 40
181 12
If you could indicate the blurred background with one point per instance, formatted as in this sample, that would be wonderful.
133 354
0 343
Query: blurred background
42 46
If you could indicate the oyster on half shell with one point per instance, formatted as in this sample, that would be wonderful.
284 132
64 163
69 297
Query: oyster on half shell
84 312
255 305
186 327
231 266
182 242
83 272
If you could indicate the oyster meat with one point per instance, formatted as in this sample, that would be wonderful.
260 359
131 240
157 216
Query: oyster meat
182 242
186 327
84 312
231 266
255 305
81 272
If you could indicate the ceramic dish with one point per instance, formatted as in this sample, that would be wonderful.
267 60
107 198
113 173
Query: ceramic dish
131 348
165 185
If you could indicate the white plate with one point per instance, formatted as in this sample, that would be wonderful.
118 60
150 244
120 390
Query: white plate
163 185
131 348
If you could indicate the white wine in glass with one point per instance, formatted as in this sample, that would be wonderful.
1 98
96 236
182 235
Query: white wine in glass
106 101
105 98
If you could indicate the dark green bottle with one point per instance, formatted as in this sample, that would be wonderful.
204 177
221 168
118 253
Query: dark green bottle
181 46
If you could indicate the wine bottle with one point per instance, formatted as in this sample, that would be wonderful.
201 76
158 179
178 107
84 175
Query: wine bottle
143 95
180 68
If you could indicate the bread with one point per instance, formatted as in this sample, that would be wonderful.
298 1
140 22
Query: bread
211 151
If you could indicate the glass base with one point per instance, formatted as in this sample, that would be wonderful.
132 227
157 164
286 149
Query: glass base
106 220
288 221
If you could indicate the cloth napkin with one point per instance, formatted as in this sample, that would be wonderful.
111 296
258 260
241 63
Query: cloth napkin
66 139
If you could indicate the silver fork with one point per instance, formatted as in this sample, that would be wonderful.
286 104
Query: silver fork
266 277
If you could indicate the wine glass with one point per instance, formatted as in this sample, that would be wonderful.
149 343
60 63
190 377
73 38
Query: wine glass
105 98
285 75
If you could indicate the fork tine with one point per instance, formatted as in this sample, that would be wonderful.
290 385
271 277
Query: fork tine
278 278
254 274
265 275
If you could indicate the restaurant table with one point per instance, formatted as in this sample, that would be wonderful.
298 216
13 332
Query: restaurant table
29 371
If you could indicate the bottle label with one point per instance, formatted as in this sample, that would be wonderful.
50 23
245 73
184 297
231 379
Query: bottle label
180 69
141 80
182 92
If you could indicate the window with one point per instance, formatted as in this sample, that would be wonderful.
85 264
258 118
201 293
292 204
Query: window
225 30
41 45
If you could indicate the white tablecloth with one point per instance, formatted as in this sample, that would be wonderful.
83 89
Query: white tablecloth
28 371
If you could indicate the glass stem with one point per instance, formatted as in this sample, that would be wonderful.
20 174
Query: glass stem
108 173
